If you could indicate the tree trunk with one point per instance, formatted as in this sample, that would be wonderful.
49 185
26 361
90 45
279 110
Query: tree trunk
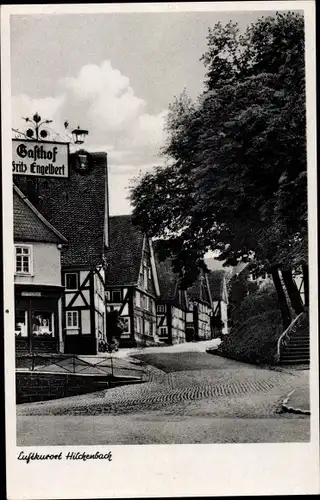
305 272
284 308
293 292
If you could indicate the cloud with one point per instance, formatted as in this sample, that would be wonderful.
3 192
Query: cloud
121 179
150 130
24 106
101 99
113 104
93 80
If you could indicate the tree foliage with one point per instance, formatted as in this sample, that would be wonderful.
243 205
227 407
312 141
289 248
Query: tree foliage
235 173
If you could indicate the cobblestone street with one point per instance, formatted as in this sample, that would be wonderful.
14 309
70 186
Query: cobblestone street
197 391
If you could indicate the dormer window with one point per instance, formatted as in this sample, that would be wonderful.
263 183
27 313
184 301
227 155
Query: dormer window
116 296
23 259
71 281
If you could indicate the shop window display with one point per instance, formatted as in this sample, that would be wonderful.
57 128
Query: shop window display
42 324
21 324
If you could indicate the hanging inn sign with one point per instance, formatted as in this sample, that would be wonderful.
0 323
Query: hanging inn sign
40 158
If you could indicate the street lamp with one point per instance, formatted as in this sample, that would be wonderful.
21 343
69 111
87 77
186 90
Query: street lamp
78 134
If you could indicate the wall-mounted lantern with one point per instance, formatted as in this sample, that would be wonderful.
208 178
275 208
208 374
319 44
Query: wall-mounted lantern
79 135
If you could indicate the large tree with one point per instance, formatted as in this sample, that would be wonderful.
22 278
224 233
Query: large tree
234 177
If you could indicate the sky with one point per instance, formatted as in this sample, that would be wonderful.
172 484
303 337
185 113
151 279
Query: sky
115 75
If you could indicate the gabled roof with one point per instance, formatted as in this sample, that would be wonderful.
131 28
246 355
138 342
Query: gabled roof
199 291
216 283
29 224
169 283
242 267
124 253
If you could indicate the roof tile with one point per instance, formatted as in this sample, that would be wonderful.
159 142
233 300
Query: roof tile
27 226
124 253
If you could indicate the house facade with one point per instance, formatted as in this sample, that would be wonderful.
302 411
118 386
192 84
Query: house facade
198 317
132 286
219 296
78 207
171 305
37 280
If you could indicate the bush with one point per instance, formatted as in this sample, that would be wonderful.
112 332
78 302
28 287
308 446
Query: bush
254 340
257 303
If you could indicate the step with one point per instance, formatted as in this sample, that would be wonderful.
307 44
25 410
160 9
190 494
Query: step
299 341
295 348
294 342
294 355
300 337
294 362
297 344
294 351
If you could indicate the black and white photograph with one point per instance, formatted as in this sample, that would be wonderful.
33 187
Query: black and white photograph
160 268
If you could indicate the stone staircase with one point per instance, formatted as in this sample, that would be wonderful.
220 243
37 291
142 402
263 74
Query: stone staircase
296 347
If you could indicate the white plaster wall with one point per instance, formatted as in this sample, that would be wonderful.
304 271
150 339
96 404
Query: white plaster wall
46 265
224 317
83 276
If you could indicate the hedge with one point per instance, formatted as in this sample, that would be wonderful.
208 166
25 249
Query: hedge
257 303
254 340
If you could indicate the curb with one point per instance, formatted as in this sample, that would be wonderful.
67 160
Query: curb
291 409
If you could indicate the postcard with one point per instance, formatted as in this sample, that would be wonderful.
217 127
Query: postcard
159 181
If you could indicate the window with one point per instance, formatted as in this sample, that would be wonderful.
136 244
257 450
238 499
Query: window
116 296
146 303
163 331
147 327
107 295
42 324
151 305
126 322
72 320
161 308
138 302
143 301
126 331
23 257
21 323
138 325
71 281
145 277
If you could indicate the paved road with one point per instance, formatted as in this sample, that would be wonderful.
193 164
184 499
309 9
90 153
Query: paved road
200 398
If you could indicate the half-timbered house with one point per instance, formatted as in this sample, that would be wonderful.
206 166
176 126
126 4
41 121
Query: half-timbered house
37 279
78 207
131 282
219 296
198 318
171 305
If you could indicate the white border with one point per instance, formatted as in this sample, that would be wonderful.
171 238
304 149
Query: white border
161 470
